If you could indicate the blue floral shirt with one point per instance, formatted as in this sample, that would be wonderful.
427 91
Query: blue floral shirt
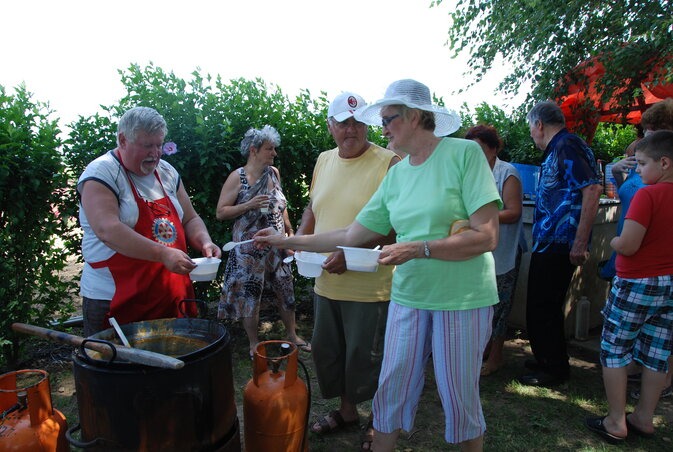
568 166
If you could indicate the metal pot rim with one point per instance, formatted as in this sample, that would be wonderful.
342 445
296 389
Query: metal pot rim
207 330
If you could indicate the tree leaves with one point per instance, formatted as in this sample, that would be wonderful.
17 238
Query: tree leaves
545 39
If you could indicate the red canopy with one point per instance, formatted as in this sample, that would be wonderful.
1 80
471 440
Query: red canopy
583 108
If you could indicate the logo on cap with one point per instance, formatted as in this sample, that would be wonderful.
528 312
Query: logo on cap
352 102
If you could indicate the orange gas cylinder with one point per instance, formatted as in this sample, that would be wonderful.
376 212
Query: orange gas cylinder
29 423
275 402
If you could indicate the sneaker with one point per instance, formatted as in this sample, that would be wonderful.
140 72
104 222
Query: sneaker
667 392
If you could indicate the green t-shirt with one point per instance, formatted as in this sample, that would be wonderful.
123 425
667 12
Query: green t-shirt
420 203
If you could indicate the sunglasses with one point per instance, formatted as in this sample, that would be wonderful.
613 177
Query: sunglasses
385 120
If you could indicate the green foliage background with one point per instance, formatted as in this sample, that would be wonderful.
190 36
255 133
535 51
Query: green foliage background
34 233
608 143
207 117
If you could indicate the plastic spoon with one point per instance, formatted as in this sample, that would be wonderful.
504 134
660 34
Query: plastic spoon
377 247
288 259
119 331
230 245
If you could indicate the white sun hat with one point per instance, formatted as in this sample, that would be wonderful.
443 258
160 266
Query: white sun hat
344 106
413 94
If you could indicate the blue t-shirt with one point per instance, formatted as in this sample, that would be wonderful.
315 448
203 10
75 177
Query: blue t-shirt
626 191
568 166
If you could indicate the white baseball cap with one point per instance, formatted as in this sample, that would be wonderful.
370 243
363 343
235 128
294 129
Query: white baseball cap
344 105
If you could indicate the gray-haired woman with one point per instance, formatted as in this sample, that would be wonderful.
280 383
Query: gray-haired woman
253 197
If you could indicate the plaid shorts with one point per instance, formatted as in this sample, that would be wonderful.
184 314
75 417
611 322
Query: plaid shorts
638 323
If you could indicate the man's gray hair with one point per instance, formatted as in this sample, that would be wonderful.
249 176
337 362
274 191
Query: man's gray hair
256 138
141 118
546 112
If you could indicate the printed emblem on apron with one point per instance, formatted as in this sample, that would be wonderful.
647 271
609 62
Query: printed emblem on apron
164 231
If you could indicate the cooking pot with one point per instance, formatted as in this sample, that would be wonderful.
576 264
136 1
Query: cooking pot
132 407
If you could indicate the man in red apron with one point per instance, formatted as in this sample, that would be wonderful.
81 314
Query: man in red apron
137 221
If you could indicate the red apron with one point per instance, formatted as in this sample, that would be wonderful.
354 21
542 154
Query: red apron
147 290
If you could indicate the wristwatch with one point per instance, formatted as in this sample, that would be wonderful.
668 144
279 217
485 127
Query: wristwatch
426 249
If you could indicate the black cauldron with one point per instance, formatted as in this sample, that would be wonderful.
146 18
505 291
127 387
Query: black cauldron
132 407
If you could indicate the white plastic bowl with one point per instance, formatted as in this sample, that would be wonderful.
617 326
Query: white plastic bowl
206 268
361 259
309 264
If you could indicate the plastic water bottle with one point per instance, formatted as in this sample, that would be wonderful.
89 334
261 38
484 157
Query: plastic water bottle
583 310
610 184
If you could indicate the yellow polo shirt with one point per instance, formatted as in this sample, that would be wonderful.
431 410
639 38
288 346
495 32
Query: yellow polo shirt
339 190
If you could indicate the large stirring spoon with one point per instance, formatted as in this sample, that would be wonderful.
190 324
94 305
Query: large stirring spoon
230 245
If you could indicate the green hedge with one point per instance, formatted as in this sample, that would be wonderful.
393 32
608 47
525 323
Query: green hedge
35 235
207 118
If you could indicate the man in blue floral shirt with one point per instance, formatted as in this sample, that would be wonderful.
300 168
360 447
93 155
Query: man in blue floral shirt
566 205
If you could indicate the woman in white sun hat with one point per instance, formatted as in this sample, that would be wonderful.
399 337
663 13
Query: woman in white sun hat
444 284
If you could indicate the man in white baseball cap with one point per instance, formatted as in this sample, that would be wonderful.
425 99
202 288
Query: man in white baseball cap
350 307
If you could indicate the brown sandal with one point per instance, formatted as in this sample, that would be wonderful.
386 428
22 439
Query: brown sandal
368 436
324 426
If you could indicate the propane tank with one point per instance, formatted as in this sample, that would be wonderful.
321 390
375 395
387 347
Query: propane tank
28 421
275 402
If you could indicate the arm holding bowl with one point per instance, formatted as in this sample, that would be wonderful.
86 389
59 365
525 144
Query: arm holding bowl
354 235
482 236
102 210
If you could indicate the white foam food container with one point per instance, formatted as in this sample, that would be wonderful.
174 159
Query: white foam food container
309 264
206 268
361 259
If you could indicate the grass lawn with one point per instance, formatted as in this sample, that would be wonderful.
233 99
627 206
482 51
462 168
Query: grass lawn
518 418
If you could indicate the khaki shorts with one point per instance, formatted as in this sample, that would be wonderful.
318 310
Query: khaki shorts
347 347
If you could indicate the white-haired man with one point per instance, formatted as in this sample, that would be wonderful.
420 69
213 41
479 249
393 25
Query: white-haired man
350 307
565 208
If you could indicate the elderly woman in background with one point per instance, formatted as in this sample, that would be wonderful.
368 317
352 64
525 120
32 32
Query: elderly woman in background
137 221
253 197
508 253
444 285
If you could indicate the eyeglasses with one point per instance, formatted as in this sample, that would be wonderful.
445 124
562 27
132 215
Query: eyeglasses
385 120
350 122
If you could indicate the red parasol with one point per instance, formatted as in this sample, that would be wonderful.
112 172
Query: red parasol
583 107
